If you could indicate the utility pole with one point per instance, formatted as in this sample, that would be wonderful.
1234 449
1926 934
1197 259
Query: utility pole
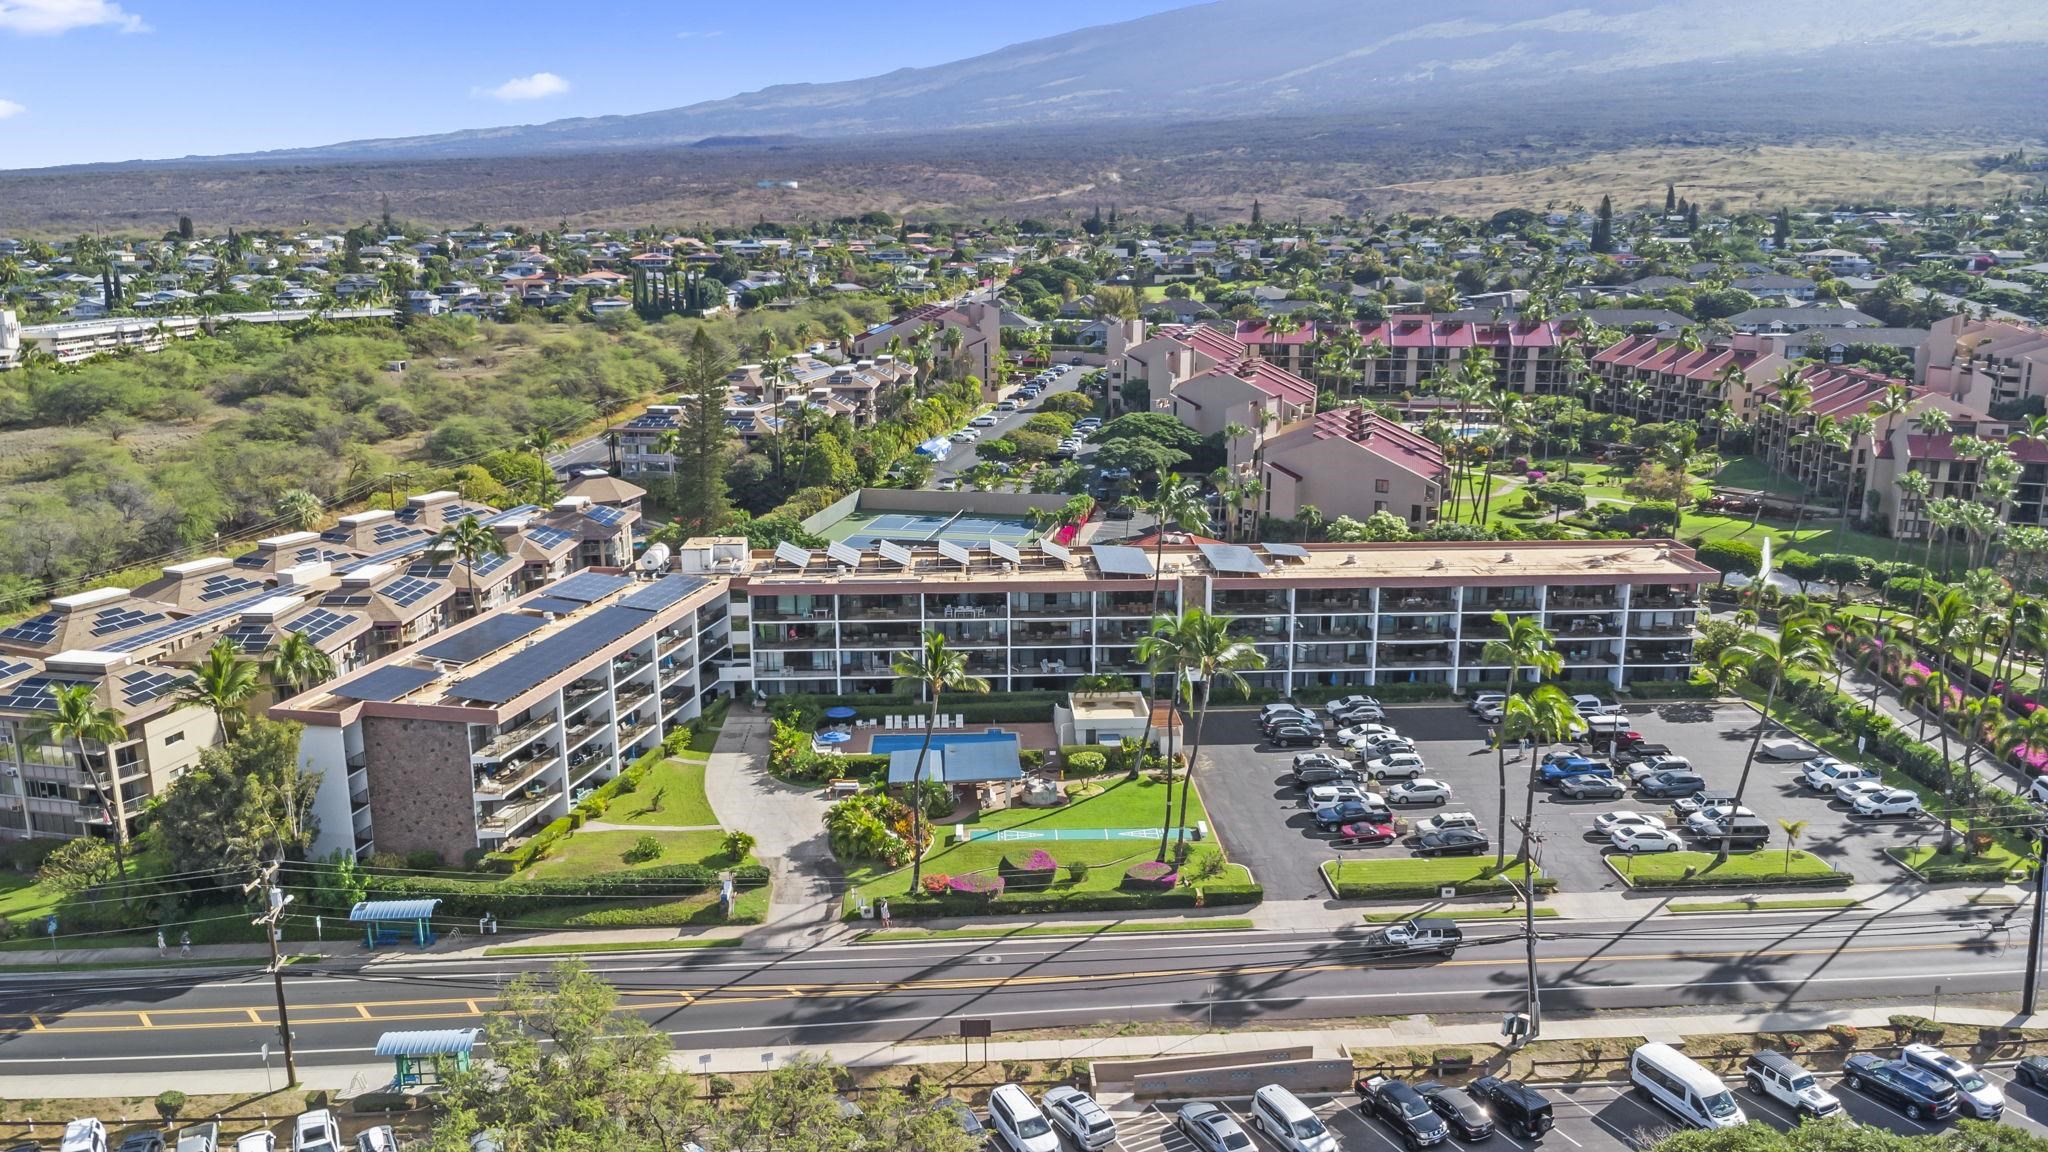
1529 842
2034 925
276 900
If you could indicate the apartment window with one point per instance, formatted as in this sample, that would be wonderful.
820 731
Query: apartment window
174 738
1414 512
1381 486
1379 505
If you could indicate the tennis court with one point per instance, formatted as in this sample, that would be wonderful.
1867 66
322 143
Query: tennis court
864 529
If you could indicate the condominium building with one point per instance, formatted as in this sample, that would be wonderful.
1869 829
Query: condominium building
1402 353
1351 462
1655 379
1320 614
1985 362
495 727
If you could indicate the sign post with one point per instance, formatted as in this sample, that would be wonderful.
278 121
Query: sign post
975 1030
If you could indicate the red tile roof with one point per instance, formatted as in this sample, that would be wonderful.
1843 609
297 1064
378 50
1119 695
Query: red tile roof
1277 382
1387 439
1259 332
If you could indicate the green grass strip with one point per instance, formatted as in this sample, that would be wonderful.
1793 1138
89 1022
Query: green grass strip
619 946
1816 902
1542 913
900 935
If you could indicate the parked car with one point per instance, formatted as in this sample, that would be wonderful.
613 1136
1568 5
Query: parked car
1704 798
1359 714
1292 735
1633 839
1401 1108
1019 1122
1517 1107
1451 842
1609 821
962 1114
1345 705
1288 1122
1653 764
1460 1109
1590 787
1325 774
2033 1072
1356 732
198 1138
1076 1113
1889 802
1438 934
1558 770
983 421
1824 778
1365 835
261 1140
1781 1078
1445 820
85 1134
1670 784
1319 760
1268 712
1330 795
1350 812
381 1138
1397 765
1707 821
316 1131
1849 791
1420 790
1211 1129
1487 700
1977 1095
1787 748
1491 713
143 1142
1377 747
1914 1092
1630 754
1590 706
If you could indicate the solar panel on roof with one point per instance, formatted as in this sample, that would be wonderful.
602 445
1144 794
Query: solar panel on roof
787 553
1286 551
843 553
547 536
407 591
551 604
319 624
250 639
663 592
484 637
587 587
226 584
606 515
385 684
1122 560
525 670
391 533
347 599
1235 559
1002 551
108 621
1056 551
146 684
34 694
13 667
956 553
895 553
34 630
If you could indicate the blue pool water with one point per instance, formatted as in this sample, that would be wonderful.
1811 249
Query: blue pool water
897 741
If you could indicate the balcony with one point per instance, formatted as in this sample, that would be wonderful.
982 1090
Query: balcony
1049 661
1332 655
866 664
1132 603
1058 604
1486 601
510 818
796 607
807 665
630 664
1580 600
1438 656
1328 602
356 760
1128 630
1256 627
894 638
597 722
510 780
973 605
502 746
1405 629
976 633
1406 600
880 608
1679 652
1663 597
1070 632
1660 624
1237 602
629 700
1332 628
597 752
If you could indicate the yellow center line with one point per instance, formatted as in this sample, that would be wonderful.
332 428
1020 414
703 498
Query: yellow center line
144 1017
363 1010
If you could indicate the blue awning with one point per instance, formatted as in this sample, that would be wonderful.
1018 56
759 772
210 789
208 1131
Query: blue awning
434 1042
373 910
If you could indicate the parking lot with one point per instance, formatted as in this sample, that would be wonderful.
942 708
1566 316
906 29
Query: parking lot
1596 1117
1250 793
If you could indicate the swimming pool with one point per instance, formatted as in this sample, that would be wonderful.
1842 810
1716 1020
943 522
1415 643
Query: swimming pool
885 743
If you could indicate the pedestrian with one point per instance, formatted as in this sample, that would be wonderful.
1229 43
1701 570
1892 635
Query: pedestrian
185 944
161 947
480 922
882 910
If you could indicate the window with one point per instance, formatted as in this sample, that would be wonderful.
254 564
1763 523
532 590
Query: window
1379 505
1381 485
174 738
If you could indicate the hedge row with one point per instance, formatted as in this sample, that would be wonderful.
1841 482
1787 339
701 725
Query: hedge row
1012 707
1012 903
1429 889
1837 880
1670 690
513 898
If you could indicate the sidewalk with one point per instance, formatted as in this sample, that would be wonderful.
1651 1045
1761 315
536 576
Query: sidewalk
788 824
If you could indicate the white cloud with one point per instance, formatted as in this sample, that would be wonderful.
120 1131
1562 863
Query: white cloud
50 17
10 108
535 87
700 35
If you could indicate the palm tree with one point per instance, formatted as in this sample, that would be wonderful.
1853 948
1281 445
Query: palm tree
294 663
300 509
542 442
1794 829
77 718
1527 644
468 541
1800 643
935 669
1179 504
1935 694
1202 650
222 683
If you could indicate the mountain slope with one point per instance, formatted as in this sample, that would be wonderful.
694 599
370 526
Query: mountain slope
1241 58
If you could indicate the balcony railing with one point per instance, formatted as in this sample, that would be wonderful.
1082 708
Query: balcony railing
504 744
1400 601
1127 604
508 782
509 818
1024 604
793 635
768 608
1330 603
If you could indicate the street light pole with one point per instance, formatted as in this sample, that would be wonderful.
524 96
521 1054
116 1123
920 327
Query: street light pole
2034 924
276 900
1529 929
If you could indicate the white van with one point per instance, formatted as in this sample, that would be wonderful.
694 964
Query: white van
1283 1117
1022 1126
1683 1088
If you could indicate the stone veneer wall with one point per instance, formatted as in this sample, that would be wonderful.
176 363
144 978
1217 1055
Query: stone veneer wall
422 795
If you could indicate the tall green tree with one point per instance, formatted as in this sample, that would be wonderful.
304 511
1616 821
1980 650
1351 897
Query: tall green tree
467 541
294 663
223 683
704 447
1800 643
1202 651
1526 643
1178 505
935 669
247 803
77 720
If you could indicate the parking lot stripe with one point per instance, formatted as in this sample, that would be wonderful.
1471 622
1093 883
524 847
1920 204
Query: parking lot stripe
2010 1084
1621 1097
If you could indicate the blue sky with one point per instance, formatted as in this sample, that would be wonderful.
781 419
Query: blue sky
94 80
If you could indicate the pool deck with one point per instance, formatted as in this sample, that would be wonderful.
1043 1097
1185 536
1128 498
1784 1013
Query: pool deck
1028 735
859 523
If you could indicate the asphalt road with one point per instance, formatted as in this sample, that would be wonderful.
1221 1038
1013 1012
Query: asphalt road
964 457
910 991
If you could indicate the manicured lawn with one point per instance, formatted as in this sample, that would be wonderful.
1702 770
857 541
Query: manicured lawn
1103 802
701 910
901 935
671 794
1817 902
1827 536
1922 855
21 896
1762 866
1752 473
619 946
588 853
1408 877
1514 913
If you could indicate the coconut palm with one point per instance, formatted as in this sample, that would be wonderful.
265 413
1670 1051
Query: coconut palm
1177 504
294 663
300 509
1526 644
76 718
1935 694
222 683
542 442
1794 829
467 541
934 669
1202 651
1800 644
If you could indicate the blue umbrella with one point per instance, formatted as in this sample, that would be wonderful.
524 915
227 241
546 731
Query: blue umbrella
841 712
834 737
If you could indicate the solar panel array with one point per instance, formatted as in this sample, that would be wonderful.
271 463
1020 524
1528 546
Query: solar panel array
843 553
347 599
319 624
407 591
528 669
484 637
895 553
587 587
1055 551
35 694
548 536
663 592
146 684
34 630
1234 559
13 667
225 584
1122 560
390 532
249 639
606 515
388 683
1004 551
956 554
551 604
787 553
108 621
1286 551
652 420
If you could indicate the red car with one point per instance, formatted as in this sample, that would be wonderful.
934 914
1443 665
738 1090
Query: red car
1364 836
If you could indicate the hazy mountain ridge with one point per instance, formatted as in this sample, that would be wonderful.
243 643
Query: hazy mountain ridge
1252 58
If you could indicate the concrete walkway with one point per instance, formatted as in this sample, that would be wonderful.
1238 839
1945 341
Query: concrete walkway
788 824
